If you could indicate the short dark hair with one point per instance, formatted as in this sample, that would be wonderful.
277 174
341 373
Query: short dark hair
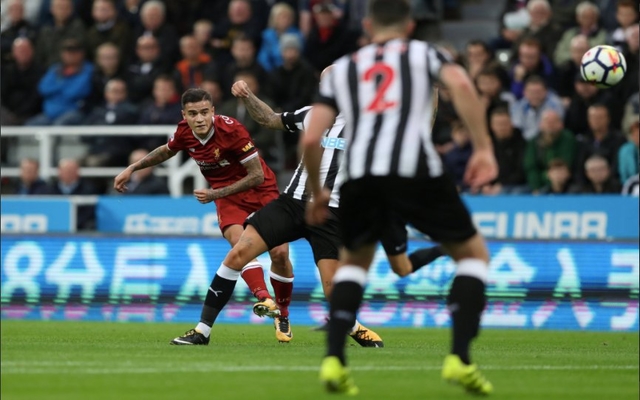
389 12
557 163
533 79
195 95
501 110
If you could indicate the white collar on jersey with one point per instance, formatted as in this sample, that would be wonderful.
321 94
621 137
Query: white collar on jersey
209 135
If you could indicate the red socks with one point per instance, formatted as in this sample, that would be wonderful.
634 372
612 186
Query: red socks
254 276
283 287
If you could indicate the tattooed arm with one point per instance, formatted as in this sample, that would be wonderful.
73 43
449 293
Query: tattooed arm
255 176
157 156
259 110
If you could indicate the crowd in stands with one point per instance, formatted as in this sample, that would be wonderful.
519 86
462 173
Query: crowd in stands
124 62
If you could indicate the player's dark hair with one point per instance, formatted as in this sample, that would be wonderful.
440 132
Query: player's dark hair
386 13
481 43
195 95
627 3
557 163
600 105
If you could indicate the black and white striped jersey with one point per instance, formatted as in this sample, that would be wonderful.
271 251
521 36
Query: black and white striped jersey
334 145
385 93
632 186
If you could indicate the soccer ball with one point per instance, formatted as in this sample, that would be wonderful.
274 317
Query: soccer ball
604 66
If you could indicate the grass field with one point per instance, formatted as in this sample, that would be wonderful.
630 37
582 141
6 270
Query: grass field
83 360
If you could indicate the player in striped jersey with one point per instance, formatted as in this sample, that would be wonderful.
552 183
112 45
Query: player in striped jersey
384 91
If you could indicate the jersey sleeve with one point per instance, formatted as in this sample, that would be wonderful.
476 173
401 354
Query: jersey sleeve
436 58
294 121
241 144
176 141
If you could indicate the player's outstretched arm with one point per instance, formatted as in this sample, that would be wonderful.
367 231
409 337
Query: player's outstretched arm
258 109
255 177
155 157
482 167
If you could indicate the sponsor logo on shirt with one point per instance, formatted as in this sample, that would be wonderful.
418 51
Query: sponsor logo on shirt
248 147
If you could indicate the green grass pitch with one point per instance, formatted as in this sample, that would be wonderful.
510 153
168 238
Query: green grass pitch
84 360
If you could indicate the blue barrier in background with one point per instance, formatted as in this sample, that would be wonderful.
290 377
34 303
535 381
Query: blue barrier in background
500 217
37 215
547 285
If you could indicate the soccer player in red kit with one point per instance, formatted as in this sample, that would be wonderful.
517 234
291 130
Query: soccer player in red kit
240 184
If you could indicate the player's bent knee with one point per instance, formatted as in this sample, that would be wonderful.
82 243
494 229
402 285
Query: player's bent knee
279 256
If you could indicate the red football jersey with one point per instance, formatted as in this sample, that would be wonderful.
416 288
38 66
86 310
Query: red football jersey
221 154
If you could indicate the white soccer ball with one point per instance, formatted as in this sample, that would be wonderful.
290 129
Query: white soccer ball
604 66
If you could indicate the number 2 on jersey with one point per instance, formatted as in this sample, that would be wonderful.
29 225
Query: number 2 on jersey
379 104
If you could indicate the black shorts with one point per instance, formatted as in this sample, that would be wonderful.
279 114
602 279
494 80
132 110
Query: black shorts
282 221
370 208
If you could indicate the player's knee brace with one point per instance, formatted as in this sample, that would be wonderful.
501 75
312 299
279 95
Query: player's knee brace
467 295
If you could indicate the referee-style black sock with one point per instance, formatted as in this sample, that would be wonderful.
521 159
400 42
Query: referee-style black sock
466 301
422 257
346 297
218 295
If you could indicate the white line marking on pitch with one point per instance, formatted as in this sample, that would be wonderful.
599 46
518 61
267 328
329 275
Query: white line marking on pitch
77 367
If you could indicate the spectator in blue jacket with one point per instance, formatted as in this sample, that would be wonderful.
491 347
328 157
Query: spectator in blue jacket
527 113
530 61
281 21
64 87
629 153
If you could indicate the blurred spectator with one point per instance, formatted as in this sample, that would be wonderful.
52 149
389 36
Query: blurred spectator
294 83
263 138
202 31
630 83
629 153
509 148
492 93
195 66
631 111
65 87
554 141
531 61
164 109
559 176
585 96
238 22
65 26
153 19
30 182
601 139
541 27
570 69
130 12
526 114
478 57
31 12
281 22
305 10
632 186
427 15
215 89
564 12
455 160
117 110
107 66
243 50
69 183
107 27
328 40
143 73
19 81
626 15
17 27
599 178
144 181
587 15
513 20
